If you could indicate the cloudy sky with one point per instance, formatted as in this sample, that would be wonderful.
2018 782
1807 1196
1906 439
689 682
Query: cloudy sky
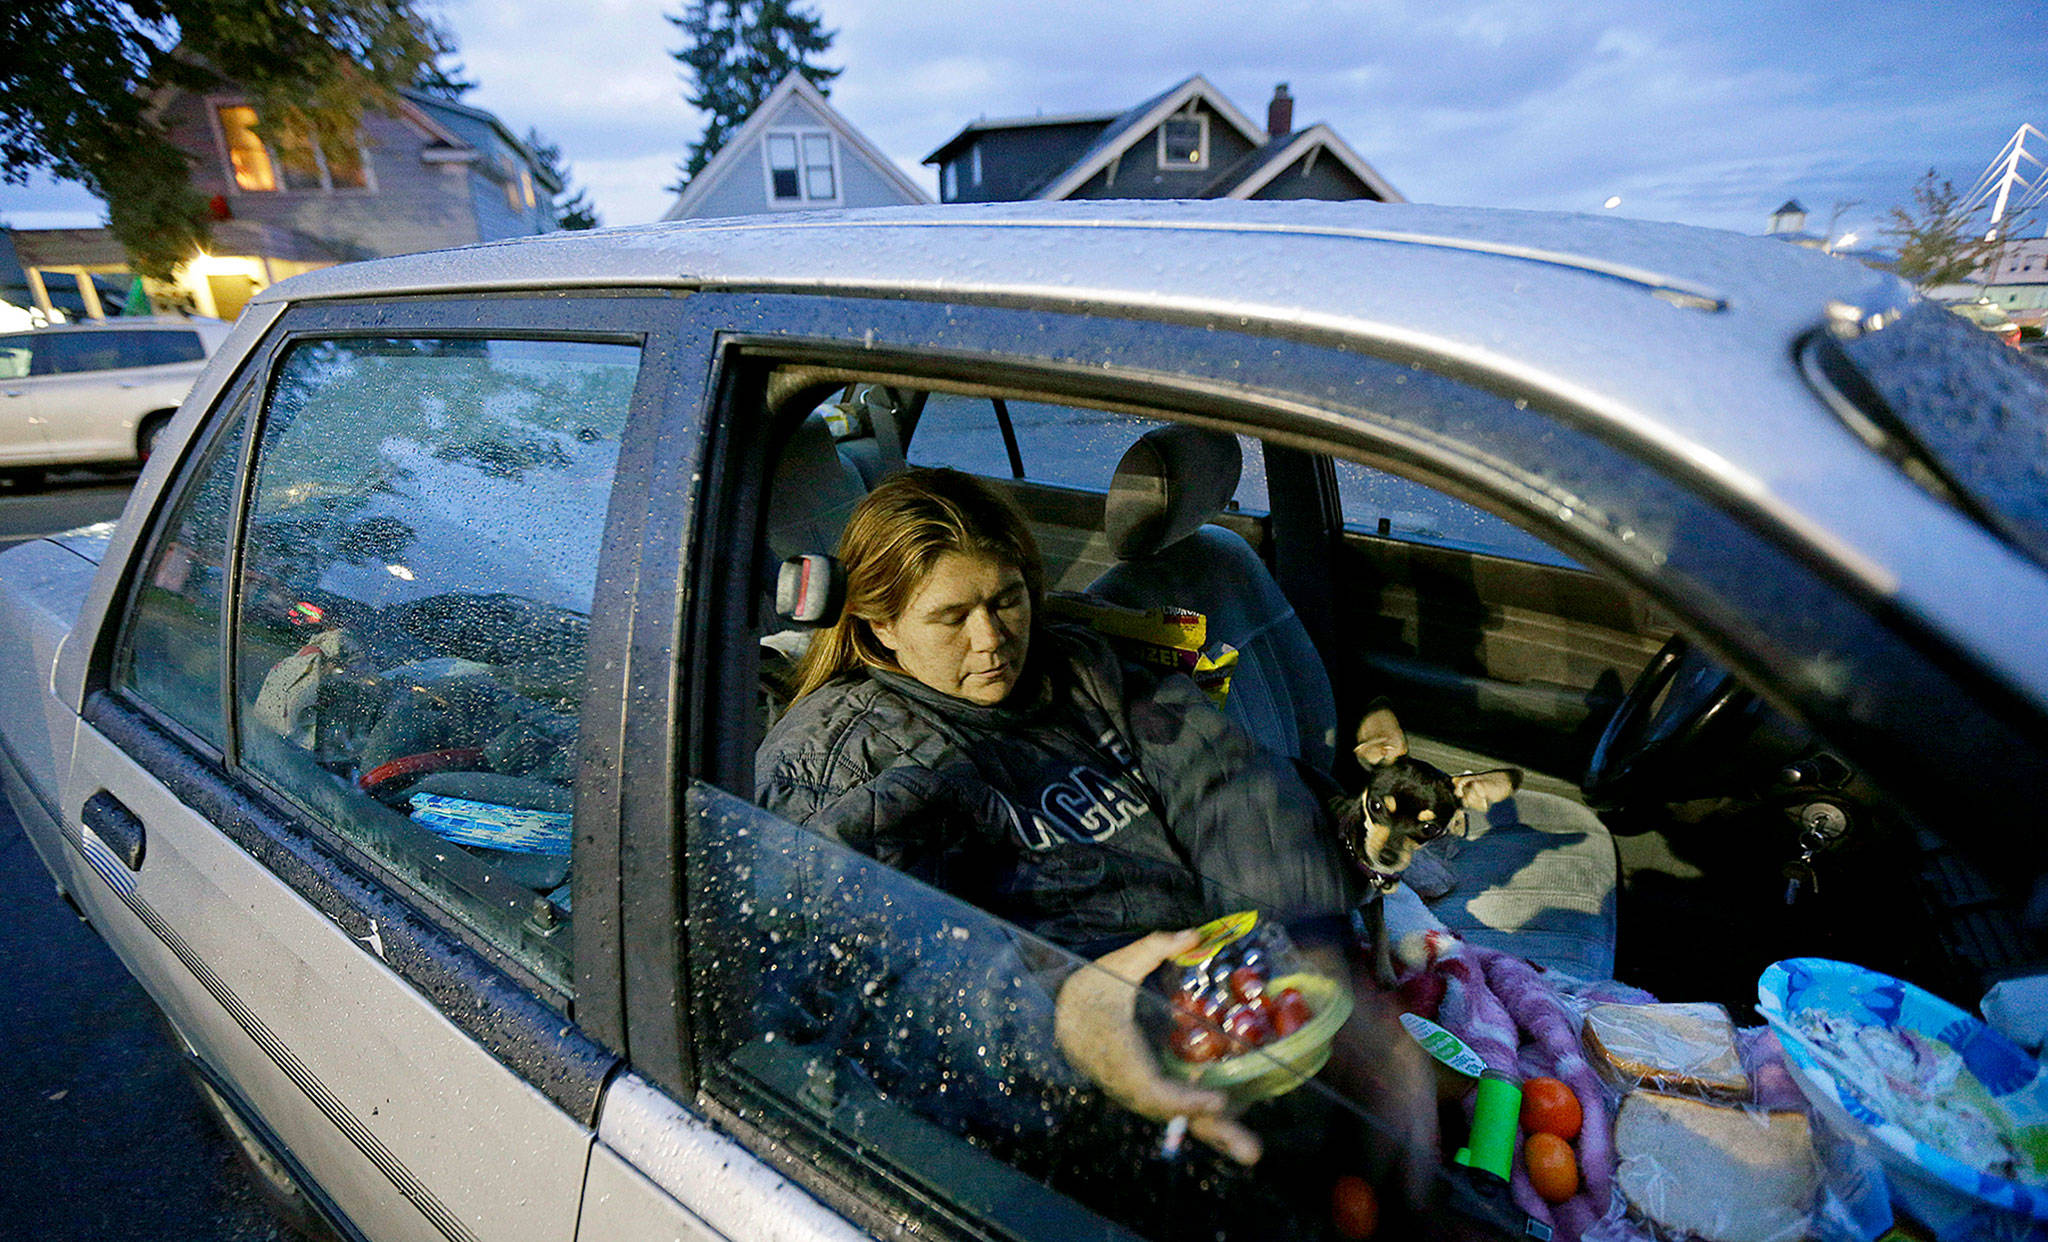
1709 112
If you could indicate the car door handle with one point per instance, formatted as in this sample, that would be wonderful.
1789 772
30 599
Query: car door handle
117 826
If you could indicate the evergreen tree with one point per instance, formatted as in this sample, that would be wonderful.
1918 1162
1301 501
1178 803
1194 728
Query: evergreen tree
737 51
74 94
446 83
572 211
1940 240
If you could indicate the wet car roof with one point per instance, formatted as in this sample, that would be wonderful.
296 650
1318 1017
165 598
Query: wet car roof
1676 340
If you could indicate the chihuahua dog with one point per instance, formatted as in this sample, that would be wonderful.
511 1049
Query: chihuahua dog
1407 803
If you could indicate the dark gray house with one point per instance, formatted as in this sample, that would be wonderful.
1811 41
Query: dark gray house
426 174
1186 142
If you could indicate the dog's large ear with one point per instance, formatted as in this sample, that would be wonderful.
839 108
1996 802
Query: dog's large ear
1380 739
1479 790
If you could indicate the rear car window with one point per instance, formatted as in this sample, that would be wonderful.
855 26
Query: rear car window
14 356
66 353
416 583
1061 445
169 657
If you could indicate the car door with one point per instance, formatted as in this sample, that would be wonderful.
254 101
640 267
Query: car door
21 424
809 1031
331 773
818 1040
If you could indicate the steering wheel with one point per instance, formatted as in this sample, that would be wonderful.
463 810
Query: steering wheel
1663 740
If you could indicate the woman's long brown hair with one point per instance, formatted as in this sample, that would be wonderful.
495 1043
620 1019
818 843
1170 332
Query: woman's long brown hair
892 540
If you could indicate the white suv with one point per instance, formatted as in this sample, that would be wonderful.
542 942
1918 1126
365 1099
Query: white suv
95 392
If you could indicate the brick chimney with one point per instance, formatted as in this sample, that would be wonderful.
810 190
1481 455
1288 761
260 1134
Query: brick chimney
1280 113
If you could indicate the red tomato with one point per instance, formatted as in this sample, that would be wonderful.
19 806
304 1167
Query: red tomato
1248 1026
1196 1041
1354 1208
1553 1170
1549 1107
1247 982
1290 1011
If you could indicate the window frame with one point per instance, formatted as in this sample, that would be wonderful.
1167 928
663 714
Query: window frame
217 105
1529 455
799 136
1201 162
480 987
281 778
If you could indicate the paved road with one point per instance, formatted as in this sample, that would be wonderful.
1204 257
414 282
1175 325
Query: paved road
103 1139
71 498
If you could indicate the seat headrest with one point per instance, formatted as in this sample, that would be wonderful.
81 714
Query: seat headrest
1171 482
810 589
813 493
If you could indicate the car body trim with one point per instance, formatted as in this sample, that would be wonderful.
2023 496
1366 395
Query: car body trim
18 776
1679 292
734 1191
322 1203
506 1019
104 863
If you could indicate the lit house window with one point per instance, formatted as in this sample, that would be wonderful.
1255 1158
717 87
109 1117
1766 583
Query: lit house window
517 179
287 161
1184 142
802 167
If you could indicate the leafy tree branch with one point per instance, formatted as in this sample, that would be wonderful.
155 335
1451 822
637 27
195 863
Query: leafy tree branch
81 79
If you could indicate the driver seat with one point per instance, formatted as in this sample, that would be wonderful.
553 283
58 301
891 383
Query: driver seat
1537 874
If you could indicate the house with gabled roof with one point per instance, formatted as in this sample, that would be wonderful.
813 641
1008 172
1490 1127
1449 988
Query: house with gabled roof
1189 141
795 152
423 173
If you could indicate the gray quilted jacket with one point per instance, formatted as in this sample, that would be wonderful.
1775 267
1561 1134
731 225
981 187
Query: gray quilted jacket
1099 802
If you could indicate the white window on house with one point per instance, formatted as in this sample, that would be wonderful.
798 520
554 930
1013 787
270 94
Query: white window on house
951 176
802 167
783 184
287 160
974 164
1184 142
821 181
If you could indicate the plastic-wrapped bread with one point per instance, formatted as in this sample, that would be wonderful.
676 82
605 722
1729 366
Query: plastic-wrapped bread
1687 1048
1715 1172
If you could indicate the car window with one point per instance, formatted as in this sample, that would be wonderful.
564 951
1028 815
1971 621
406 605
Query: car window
1066 446
156 349
1378 503
920 1029
14 356
169 655
416 582
66 353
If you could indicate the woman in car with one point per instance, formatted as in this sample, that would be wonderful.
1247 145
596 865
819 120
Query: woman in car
941 726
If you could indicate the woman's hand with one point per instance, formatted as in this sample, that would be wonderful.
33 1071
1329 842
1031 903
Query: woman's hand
1095 1025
